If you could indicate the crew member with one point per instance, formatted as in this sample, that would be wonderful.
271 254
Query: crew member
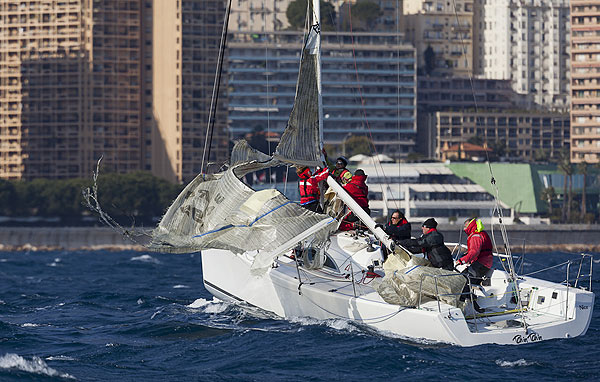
479 257
308 185
431 243
340 173
398 228
358 189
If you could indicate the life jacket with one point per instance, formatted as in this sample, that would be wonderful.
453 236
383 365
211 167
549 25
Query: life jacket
308 187
342 176
438 254
358 189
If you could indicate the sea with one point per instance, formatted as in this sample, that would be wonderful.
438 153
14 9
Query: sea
136 316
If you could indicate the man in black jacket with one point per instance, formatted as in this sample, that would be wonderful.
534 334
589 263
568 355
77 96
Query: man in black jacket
398 228
432 244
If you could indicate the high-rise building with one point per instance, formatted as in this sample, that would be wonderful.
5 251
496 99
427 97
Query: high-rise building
186 36
70 87
259 15
128 80
526 41
368 82
441 31
585 81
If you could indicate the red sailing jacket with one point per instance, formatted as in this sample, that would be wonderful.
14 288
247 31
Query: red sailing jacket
479 247
358 190
308 185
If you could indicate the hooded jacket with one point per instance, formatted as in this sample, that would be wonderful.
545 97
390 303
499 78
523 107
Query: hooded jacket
479 245
358 189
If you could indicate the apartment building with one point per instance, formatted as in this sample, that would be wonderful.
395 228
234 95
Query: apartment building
370 93
447 28
127 80
186 38
585 81
521 136
527 42
70 89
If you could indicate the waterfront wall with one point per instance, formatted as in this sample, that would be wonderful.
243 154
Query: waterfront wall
528 238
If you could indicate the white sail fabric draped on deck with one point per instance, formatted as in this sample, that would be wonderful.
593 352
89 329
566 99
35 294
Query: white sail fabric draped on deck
219 211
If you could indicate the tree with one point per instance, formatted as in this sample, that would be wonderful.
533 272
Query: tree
548 195
565 166
499 148
475 140
357 144
429 56
296 14
361 16
541 155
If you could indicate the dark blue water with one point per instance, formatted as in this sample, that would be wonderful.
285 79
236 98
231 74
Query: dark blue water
130 316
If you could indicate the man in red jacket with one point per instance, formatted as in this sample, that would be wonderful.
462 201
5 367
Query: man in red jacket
308 185
358 189
479 257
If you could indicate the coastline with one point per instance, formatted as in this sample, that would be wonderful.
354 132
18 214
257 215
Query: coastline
522 238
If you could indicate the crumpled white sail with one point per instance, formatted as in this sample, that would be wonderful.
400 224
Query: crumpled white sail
219 211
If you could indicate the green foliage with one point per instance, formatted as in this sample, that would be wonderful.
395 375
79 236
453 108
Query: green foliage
296 14
429 56
364 15
357 144
138 194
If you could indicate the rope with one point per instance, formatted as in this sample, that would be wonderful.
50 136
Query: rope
215 93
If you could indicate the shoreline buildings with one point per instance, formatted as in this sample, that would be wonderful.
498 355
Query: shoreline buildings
585 81
85 79
369 86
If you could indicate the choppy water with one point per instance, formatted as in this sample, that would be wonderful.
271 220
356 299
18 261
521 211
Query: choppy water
130 316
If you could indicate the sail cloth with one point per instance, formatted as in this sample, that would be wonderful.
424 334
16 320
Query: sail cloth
243 153
413 282
219 211
301 141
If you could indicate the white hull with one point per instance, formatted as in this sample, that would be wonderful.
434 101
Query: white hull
228 277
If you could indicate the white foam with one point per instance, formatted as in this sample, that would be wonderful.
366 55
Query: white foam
213 306
140 301
180 286
517 363
36 365
60 358
30 325
145 259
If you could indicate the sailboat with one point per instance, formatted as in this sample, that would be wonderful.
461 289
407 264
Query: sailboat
261 250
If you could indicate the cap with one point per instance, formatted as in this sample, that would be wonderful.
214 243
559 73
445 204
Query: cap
430 223
343 159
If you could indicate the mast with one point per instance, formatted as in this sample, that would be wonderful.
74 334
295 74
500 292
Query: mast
317 24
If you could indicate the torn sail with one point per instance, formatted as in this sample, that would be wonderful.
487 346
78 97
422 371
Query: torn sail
219 211
301 141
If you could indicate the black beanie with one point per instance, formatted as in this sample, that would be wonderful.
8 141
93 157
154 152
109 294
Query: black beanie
430 223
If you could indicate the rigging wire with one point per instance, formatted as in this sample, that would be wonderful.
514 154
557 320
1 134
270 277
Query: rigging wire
498 207
215 92
266 42
362 105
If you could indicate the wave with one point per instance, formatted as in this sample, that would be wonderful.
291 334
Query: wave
213 306
518 363
36 366
60 358
146 259
180 286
